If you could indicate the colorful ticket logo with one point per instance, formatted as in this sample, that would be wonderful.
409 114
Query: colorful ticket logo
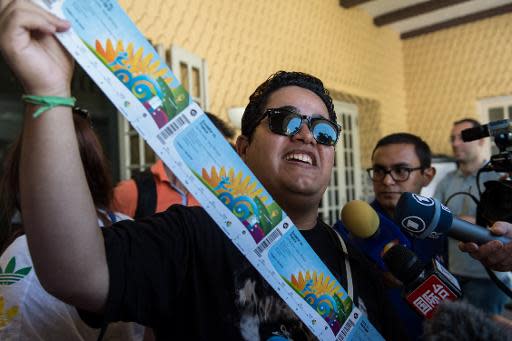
130 59
228 179
241 195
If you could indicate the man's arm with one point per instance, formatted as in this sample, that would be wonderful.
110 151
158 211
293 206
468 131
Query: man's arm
59 217
495 255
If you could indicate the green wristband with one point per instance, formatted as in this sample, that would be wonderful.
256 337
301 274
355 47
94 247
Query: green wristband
48 102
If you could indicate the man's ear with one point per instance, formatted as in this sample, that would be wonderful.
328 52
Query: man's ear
242 143
428 175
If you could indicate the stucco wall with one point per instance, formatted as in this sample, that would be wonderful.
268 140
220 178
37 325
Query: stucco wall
448 71
245 41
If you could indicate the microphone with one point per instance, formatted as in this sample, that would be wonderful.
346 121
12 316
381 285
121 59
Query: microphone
461 321
423 217
425 287
497 128
371 232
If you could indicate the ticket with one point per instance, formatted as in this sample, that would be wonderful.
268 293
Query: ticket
110 48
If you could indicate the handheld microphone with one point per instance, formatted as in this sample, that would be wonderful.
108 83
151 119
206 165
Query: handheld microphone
501 128
370 231
423 217
425 287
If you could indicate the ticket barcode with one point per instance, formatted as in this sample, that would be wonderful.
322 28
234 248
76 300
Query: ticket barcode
267 241
49 3
345 330
172 128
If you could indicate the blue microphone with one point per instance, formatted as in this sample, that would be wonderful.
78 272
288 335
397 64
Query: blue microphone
423 217
371 232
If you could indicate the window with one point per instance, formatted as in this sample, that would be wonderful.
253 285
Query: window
192 73
494 109
346 180
191 70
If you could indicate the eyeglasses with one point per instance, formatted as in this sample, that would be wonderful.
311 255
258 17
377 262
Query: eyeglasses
398 173
286 121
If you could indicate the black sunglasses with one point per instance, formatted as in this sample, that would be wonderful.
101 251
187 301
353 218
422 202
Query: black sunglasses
287 122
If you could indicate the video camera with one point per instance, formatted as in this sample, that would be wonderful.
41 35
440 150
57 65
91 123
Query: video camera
496 201
501 132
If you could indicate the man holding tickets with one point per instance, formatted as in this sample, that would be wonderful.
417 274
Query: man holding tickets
175 271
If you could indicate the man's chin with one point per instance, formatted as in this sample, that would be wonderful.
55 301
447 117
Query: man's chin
388 200
303 190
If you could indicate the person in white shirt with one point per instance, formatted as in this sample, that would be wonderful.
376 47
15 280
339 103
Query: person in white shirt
27 311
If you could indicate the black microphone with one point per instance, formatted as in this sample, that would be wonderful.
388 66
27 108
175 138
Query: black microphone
423 217
495 128
425 287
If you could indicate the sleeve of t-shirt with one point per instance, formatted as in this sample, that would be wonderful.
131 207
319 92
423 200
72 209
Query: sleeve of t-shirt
439 192
148 261
125 198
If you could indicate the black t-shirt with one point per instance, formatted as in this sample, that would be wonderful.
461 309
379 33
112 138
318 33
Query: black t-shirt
178 273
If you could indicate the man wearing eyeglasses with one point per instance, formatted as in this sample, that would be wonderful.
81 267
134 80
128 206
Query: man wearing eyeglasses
401 162
175 271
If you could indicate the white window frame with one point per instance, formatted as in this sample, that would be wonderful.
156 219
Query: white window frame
177 56
329 210
182 56
485 105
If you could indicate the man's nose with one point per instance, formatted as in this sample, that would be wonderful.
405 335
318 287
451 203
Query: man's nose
456 140
388 179
304 134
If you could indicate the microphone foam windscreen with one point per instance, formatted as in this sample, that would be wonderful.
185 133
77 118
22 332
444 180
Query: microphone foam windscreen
360 218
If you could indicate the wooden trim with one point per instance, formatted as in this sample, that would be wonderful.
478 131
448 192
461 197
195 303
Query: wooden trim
352 3
412 11
458 21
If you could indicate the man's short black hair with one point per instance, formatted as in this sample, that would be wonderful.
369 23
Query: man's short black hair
420 147
472 121
254 111
225 129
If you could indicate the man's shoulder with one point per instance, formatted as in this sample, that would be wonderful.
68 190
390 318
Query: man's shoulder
125 185
178 214
488 176
193 211
448 176
443 184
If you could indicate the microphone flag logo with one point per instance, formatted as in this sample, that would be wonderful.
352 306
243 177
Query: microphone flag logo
413 224
425 201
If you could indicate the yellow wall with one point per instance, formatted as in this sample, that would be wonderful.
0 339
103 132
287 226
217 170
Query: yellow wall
419 85
245 41
447 72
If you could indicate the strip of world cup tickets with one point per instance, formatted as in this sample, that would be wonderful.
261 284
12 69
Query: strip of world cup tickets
109 47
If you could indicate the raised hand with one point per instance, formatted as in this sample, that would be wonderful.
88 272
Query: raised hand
31 50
